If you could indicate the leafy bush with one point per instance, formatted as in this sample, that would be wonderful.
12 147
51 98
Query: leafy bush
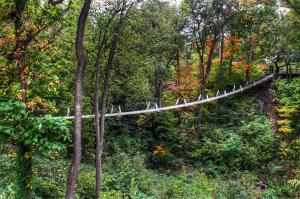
268 194
247 147
164 141
288 97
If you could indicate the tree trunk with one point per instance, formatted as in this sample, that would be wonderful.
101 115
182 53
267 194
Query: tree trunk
202 74
97 123
231 59
287 72
221 62
230 66
82 64
100 135
178 75
204 71
290 72
276 71
202 83
24 172
158 87
160 93
209 58
103 108
24 161
247 75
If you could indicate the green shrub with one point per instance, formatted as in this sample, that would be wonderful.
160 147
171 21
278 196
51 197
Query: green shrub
48 188
246 147
268 194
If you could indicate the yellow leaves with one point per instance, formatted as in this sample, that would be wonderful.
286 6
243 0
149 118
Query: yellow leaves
27 155
283 122
41 45
295 183
286 111
13 139
159 150
19 94
37 103
285 129
29 186
55 154
53 84
30 26
286 114
285 126
35 170
51 88
7 29
12 154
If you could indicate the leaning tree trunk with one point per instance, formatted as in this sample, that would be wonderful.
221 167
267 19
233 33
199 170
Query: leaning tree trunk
82 63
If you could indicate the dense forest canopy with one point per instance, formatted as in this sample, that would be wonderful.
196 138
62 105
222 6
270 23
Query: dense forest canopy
92 57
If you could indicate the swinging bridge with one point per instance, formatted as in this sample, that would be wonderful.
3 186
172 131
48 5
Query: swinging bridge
153 107
200 100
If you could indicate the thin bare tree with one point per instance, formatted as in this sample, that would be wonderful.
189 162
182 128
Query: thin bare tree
82 64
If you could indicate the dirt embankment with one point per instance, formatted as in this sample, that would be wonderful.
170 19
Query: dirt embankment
267 103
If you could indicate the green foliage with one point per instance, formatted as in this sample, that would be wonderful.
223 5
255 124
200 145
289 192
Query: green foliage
246 145
44 133
127 177
205 156
32 134
268 194
288 97
12 114
164 140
